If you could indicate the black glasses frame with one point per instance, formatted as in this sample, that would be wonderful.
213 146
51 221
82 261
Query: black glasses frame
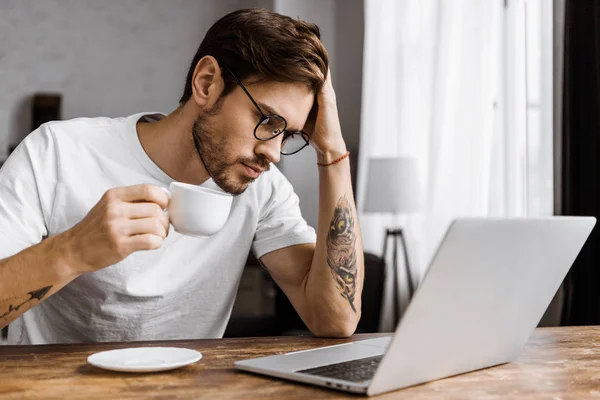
284 131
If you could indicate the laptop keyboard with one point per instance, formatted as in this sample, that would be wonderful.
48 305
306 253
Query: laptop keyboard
359 370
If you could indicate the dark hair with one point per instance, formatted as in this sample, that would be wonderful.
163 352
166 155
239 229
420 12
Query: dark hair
263 44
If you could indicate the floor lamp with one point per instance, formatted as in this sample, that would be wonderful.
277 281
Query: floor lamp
392 189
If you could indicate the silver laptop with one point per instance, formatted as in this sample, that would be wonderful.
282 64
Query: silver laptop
484 293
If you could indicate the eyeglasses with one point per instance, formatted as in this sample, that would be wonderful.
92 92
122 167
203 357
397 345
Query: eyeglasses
272 125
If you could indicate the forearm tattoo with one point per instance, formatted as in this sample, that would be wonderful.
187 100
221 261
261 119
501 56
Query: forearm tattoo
341 250
33 295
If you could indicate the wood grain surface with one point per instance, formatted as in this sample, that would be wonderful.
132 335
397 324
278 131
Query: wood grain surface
557 363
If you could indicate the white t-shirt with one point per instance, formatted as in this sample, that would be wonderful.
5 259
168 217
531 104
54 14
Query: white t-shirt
184 290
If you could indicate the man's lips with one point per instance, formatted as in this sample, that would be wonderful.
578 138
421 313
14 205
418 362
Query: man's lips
257 169
253 171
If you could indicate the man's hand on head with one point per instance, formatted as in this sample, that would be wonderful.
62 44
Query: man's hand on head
323 125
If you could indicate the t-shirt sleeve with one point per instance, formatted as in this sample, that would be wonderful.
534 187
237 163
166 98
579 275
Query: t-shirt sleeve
280 224
27 184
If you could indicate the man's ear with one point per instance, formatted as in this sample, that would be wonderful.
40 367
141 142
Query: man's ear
207 82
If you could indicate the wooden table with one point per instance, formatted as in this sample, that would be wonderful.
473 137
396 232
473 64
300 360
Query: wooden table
557 363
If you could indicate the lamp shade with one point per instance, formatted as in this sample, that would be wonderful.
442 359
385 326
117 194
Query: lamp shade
392 186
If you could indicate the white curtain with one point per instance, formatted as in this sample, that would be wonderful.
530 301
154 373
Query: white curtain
433 89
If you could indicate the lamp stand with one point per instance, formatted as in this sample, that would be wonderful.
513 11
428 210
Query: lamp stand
397 235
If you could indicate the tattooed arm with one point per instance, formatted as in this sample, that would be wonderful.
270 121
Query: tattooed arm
324 280
23 286
341 250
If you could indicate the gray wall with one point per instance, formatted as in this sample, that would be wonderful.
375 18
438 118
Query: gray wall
349 35
109 58
558 20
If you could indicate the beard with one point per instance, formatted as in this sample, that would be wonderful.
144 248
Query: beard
212 148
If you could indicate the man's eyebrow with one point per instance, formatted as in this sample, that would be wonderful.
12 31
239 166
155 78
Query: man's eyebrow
268 110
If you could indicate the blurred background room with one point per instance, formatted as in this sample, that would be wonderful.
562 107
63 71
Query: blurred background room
448 108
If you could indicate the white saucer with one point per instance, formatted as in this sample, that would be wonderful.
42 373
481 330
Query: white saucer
144 359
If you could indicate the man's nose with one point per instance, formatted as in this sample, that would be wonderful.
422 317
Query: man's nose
270 149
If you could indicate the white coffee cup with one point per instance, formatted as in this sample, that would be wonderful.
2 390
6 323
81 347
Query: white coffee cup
197 211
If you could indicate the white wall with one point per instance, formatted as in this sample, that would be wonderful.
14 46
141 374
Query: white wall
109 58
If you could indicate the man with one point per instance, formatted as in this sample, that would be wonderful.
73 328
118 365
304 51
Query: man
85 248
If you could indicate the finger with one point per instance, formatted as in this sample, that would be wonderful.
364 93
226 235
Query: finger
328 83
144 226
143 192
310 120
142 210
147 210
146 241
163 217
326 96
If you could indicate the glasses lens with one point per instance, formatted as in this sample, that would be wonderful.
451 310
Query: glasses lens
294 142
269 127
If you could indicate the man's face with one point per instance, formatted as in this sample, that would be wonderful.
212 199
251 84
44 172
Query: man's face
224 135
